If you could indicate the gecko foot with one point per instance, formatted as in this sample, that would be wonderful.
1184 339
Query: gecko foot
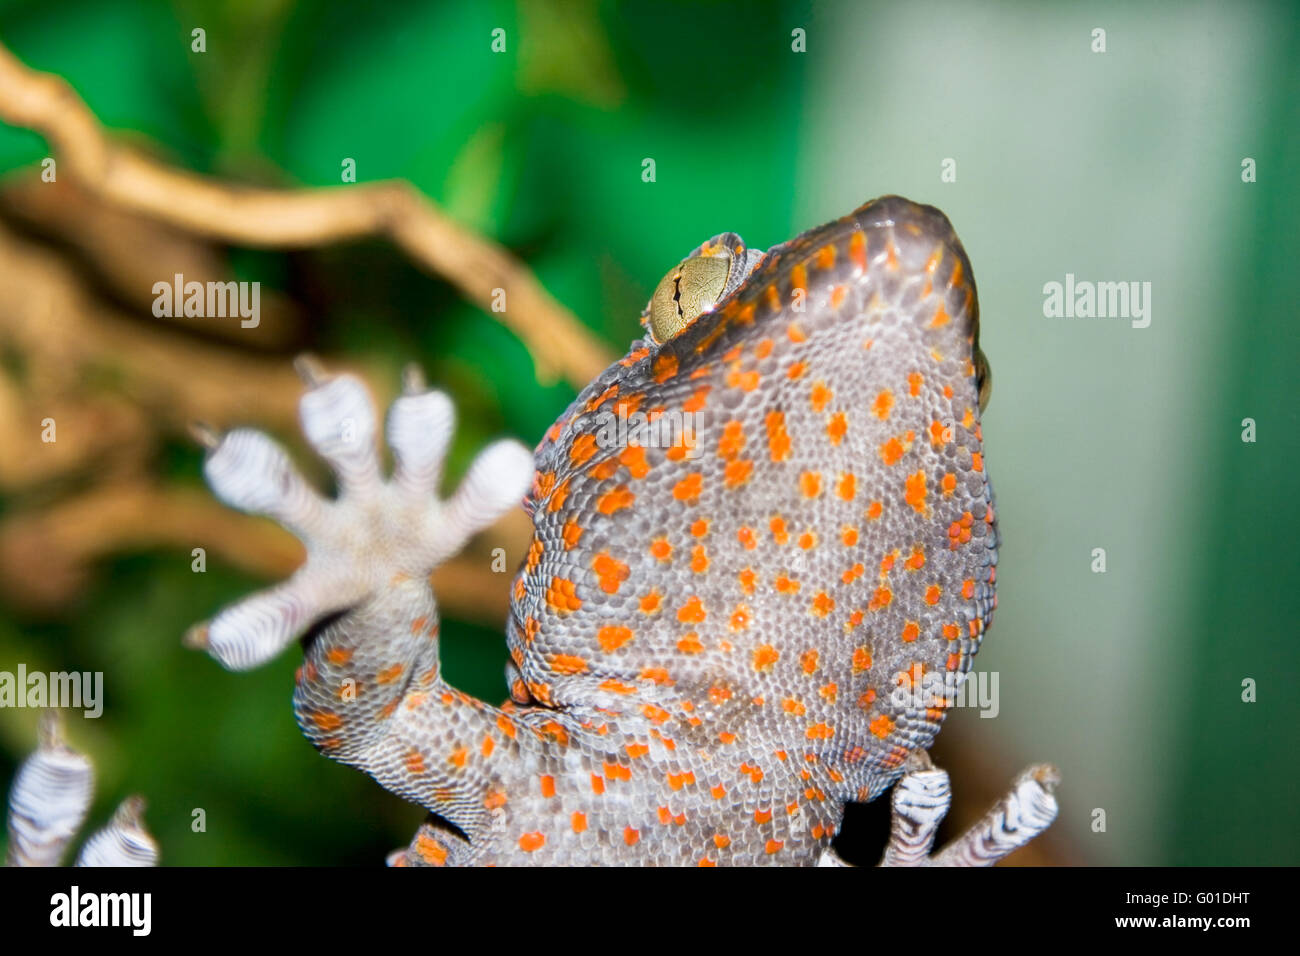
376 530
48 804
921 799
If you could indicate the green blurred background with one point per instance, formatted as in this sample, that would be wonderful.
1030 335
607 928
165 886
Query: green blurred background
1123 165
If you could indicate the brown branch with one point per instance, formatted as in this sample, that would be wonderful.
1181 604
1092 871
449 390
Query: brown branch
46 104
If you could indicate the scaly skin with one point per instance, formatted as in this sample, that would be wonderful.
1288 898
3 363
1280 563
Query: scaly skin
716 644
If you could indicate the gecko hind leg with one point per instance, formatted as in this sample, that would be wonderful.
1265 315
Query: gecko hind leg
921 799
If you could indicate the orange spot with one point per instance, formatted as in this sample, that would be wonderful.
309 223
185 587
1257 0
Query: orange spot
858 249
874 509
690 644
338 655
880 599
745 381
820 731
583 447
665 367
612 638
779 533
562 596
650 603
732 440
820 396
611 572
911 631
548 786
633 459
881 726
940 318
615 500
697 401
808 661
915 494
531 842
572 534
849 535
579 822
838 294
688 489
459 756
786 585
847 486
660 549
746 578
773 846
699 559
430 850
836 427
737 473
601 399
692 612
799 277
810 484
882 405
891 451
778 442
822 604
765 656
796 370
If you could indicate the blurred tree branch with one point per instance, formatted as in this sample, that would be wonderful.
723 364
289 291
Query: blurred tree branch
46 104
76 256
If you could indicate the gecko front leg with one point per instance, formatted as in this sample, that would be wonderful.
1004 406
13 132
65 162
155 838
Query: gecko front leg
370 692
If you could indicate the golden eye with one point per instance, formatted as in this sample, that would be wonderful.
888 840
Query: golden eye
686 293
983 378
697 284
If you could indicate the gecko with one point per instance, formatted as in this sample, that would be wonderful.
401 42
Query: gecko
764 553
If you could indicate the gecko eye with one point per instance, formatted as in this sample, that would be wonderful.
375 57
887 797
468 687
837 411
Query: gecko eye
983 378
685 294
697 284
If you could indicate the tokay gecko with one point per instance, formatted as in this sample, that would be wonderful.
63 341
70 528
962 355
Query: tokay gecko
764 552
